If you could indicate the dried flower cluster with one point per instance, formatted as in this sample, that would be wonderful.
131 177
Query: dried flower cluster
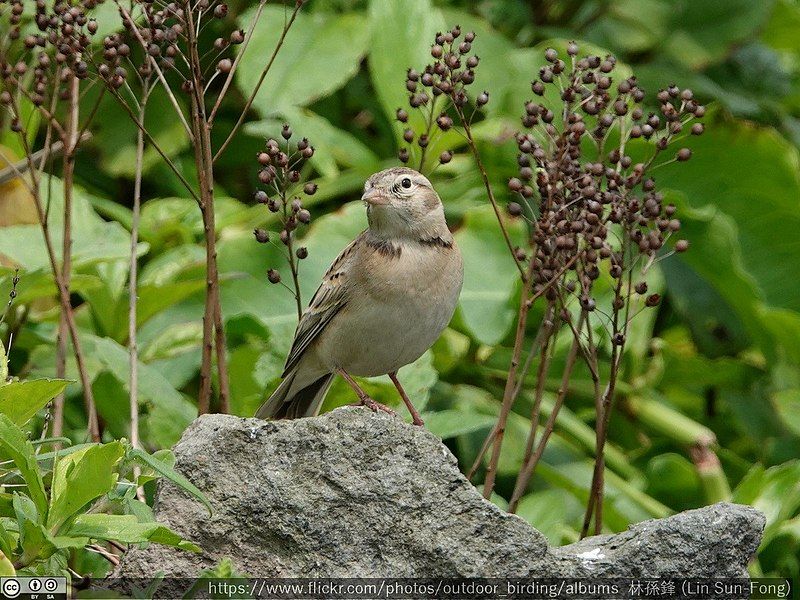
446 79
54 54
594 201
280 171
160 32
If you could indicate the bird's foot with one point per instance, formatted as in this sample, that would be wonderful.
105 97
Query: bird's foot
375 406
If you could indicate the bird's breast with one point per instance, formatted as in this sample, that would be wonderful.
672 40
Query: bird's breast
402 300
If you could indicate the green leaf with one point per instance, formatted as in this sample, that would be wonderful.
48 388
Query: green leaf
402 34
80 478
6 566
320 53
20 400
170 404
549 511
127 530
167 471
490 277
788 404
94 240
452 423
33 538
763 208
773 491
702 32
717 257
14 445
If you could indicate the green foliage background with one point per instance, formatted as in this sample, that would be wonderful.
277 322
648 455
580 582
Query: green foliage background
715 369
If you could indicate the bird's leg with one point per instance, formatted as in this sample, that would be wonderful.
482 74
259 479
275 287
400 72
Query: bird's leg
417 420
363 398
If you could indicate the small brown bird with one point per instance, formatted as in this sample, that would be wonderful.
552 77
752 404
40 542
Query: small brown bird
382 303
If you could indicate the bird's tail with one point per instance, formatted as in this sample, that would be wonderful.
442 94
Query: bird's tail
286 403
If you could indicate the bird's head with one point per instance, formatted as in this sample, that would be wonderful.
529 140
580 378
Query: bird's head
402 202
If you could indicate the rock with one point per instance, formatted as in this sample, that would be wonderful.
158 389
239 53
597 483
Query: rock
357 494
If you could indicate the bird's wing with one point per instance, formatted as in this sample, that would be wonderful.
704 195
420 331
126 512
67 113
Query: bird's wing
331 296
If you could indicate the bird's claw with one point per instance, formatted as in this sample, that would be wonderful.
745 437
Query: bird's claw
375 406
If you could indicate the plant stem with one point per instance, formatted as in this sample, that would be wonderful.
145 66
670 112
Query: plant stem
546 356
530 466
133 282
70 142
264 72
508 393
213 329
239 55
603 408
489 192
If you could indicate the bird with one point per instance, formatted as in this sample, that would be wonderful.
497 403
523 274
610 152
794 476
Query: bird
382 303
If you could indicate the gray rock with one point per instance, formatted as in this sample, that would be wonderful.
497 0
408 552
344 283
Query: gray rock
357 494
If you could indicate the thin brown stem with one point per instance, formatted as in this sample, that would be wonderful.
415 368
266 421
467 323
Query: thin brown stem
239 55
133 280
154 144
545 358
490 193
213 327
511 380
261 78
530 466
154 64
63 291
595 503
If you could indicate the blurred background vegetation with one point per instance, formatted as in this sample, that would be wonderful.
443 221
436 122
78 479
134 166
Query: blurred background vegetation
709 405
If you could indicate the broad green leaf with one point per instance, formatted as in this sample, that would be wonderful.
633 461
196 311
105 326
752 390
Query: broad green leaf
764 208
94 240
320 53
774 491
630 25
717 256
33 538
452 423
788 404
127 530
702 32
780 31
80 478
15 446
488 297
549 511
784 325
402 34
40 284
6 566
7 542
167 471
152 384
674 480
112 126
6 506
20 400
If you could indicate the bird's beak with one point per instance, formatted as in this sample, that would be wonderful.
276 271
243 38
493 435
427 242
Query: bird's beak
374 197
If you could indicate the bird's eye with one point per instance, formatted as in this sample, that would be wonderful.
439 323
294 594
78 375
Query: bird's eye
406 183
